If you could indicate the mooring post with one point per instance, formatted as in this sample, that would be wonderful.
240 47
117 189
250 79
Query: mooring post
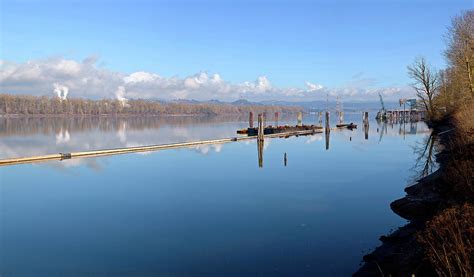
366 125
300 118
366 118
260 152
327 135
276 119
250 119
260 138
327 122
261 128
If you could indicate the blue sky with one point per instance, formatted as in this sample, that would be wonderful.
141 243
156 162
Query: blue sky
332 43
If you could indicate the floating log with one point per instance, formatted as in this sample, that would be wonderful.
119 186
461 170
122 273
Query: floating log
348 126
148 148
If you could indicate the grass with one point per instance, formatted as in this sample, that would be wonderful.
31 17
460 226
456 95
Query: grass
449 241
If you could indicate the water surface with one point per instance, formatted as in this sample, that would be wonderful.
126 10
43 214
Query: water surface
207 210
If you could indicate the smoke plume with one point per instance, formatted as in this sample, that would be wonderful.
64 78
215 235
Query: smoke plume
61 91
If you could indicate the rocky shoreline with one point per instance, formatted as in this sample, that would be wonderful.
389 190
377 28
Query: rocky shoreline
401 254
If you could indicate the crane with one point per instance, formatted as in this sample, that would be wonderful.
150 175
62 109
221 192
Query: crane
382 112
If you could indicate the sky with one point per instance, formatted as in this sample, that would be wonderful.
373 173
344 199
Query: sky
226 50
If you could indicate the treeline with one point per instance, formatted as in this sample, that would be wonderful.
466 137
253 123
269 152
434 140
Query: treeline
33 105
446 91
443 204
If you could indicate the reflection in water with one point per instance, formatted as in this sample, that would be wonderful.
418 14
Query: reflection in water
149 205
414 128
63 137
366 131
384 129
260 147
285 159
327 133
26 136
425 152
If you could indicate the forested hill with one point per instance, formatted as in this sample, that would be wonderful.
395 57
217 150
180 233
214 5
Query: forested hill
33 105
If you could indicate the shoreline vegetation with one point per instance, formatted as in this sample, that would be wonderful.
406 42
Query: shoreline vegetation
439 238
27 105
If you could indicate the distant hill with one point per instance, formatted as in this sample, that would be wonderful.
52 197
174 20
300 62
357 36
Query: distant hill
306 105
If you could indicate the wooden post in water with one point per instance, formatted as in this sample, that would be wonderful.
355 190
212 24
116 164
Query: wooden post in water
327 122
366 125
300 118
276 119
366 118
261 128
250 119
260 139
327 135
260 152
327 130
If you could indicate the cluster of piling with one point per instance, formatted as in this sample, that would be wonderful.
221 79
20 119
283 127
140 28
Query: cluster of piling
405 115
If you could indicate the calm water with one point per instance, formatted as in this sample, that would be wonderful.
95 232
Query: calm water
207 210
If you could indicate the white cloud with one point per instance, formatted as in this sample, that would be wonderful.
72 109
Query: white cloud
86 79
313 87
141 77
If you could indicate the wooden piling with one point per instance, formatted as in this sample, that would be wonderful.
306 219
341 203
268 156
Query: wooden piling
366 125
366 131
327 129
366 118
261 127
260 144
260 139
327 136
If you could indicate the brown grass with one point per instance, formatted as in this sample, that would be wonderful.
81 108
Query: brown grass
464 122
459 169
449 241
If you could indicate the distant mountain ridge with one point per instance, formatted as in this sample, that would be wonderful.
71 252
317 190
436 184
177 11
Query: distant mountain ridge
316 105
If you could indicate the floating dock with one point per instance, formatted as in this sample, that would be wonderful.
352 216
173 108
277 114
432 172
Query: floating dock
280 129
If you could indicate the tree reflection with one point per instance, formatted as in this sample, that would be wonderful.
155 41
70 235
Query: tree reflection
425 152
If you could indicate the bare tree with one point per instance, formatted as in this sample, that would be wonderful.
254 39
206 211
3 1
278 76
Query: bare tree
425 82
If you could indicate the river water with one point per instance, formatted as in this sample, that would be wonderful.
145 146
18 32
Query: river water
206 210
